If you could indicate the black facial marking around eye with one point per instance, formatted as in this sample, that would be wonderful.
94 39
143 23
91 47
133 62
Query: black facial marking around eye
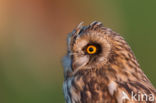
96 45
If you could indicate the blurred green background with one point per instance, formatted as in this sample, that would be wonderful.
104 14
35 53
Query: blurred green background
33 41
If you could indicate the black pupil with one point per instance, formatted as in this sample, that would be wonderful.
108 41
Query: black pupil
91 49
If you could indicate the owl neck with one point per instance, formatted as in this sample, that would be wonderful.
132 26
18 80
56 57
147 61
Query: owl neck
124 64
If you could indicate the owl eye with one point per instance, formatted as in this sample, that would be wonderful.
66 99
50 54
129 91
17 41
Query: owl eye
91 49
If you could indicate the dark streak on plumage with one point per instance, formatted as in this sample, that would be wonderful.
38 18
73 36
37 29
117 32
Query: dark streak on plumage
125 86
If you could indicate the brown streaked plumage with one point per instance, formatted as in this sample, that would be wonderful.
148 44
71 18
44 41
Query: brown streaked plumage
100 67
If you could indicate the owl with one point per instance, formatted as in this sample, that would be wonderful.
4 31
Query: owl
100 67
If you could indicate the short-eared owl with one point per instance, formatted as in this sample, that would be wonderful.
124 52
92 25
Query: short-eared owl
100 67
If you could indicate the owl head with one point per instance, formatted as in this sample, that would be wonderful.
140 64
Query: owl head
92 46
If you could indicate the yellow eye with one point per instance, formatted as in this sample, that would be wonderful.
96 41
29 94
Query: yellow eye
91 49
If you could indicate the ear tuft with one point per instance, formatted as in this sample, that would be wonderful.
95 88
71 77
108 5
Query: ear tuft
95 24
